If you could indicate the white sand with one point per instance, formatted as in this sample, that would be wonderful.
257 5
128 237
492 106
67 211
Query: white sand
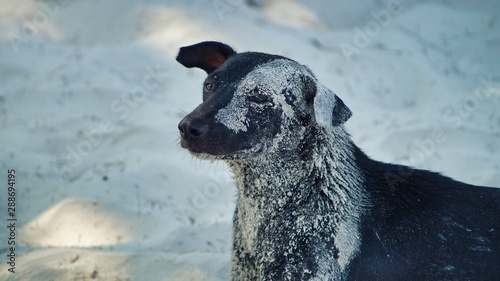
90 98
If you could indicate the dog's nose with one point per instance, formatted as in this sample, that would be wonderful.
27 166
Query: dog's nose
192 129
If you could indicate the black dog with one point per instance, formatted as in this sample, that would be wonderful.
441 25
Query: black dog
311 205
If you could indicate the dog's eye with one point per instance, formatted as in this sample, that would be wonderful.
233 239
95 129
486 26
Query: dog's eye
209 87
257 99
255 96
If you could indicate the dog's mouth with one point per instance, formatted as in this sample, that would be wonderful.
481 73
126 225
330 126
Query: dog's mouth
212 153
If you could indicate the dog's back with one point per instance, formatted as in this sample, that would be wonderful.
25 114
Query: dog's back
425 226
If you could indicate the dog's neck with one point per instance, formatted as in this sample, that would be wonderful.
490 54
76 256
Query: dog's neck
276 179
296 195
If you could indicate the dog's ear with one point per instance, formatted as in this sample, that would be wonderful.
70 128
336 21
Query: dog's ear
207 55
329 110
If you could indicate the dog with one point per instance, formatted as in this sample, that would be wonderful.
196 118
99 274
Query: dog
310 204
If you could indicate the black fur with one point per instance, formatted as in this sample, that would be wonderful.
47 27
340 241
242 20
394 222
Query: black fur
425 226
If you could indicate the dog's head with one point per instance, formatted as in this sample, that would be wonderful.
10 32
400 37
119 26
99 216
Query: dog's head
254 103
